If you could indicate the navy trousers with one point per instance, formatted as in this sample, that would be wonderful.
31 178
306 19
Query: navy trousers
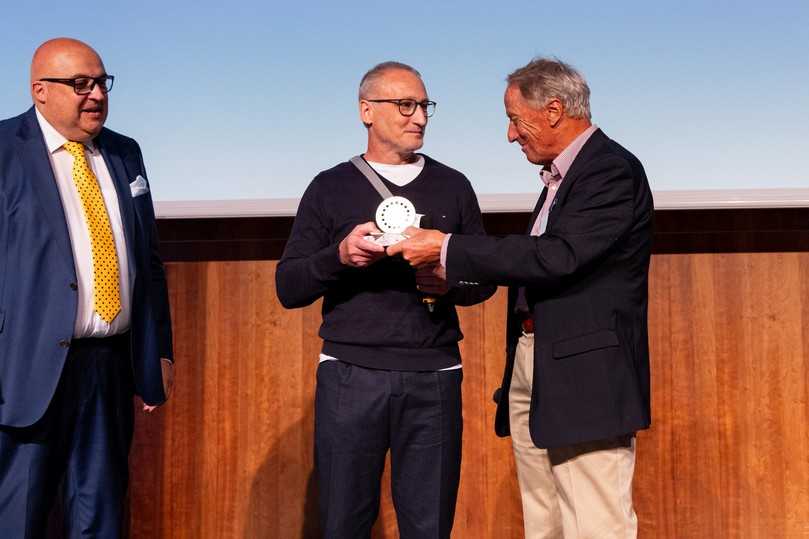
362 413
81 443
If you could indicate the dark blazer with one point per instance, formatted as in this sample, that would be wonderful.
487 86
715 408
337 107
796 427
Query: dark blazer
38 278
586 279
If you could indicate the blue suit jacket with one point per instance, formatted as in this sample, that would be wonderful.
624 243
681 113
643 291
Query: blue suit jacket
38 294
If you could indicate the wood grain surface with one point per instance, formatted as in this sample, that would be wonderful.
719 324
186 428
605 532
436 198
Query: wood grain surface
728 455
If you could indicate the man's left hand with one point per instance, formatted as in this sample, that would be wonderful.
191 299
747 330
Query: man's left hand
423 246
432 280
168 382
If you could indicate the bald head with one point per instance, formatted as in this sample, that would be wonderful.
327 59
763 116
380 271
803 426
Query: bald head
59 56
76 117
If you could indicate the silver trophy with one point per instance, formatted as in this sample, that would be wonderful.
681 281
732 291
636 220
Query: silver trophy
393 216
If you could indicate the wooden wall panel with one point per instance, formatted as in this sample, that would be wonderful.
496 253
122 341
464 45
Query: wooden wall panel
728 454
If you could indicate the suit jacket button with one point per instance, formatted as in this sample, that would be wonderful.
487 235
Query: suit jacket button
74 286
64 343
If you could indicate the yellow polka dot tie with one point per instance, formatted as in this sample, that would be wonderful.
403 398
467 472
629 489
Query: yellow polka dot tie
106 290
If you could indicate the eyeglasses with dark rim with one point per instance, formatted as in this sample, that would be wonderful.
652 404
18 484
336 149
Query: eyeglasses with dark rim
85 85
407 107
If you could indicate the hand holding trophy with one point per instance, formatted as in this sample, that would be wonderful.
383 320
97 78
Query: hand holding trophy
393 216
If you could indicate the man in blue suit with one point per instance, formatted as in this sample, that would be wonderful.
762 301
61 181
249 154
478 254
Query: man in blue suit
84 315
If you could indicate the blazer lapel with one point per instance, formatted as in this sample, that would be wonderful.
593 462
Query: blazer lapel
537 207
34 157
585 155
119 177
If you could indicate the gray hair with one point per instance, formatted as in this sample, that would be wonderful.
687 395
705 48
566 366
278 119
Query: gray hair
373 75
543 79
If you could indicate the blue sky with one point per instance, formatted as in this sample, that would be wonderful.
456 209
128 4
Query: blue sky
252 99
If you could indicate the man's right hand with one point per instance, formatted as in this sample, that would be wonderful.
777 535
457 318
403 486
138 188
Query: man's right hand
432 280
423 246
356 251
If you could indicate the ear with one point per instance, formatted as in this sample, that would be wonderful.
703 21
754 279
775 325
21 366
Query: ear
554 111
366 113
39 92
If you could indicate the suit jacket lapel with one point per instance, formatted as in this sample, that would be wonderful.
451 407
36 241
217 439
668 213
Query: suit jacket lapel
119 177
537 207
585 155
37 165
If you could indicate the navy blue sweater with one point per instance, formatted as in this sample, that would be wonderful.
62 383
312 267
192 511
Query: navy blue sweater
373 316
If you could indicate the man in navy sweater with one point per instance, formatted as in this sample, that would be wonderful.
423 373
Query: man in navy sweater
390 369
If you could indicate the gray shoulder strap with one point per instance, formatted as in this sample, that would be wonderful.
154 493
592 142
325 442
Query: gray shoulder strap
372 176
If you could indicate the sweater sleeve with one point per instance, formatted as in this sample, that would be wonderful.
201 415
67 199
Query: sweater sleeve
311 261
471 223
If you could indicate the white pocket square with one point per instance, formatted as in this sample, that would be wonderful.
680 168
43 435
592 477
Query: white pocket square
139 186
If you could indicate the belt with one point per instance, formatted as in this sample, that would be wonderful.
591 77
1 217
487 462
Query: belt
120 340
526 321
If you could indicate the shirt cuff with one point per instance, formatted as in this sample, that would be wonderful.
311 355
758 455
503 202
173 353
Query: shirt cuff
444 250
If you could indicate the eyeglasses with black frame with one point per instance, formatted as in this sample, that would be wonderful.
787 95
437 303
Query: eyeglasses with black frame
407 107
85 85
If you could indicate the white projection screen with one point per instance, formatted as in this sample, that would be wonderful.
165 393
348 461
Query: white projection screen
238 107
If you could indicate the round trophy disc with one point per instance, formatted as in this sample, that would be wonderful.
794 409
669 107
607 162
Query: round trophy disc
395 214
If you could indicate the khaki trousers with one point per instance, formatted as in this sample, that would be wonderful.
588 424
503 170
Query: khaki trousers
582 491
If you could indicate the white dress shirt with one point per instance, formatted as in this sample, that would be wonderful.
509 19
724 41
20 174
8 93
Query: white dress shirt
88 323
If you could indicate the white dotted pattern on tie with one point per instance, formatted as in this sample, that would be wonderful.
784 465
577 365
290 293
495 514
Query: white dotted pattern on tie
106 288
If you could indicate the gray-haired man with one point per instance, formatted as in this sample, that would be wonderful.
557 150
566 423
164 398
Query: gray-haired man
389 377
576 383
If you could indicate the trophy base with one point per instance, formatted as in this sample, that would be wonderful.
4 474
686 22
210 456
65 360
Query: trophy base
387 239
